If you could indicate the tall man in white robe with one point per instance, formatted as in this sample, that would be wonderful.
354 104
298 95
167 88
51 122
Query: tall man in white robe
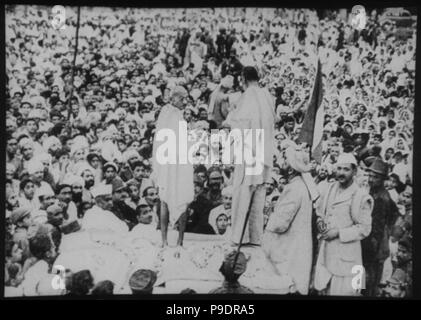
173 178
255 111
344 219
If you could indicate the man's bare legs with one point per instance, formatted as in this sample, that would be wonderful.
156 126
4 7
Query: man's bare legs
164 223
182 223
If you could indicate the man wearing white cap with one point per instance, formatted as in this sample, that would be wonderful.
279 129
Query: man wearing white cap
287 240
219 101
344 219
99 217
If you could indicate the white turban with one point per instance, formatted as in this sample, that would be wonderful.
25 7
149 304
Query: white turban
43 157
35 166
298 159
50 141
227 191
130 153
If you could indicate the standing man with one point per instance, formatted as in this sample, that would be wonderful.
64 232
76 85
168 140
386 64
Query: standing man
376 245
219 105
344 219
174 180
255 111
288 238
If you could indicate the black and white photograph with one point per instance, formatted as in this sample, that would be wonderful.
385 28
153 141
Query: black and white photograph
208 151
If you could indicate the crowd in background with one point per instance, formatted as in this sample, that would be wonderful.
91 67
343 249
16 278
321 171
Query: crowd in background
69 133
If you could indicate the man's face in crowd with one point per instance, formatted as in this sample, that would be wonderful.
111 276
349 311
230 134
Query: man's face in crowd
65 195
145 215
103 111
16 254
151 196
37 176
27 152
227 201
110 174
179 101
47 201
120 195
405 199
89 178
12 146
24 109
375 180
139 173
323 173
388 154
105 202
203 115
32 127
77 190
188 115
56 219
270 186
345 173
222 223
134 193
334 152
403 255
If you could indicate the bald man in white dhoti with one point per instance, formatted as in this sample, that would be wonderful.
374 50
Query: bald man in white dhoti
255 111
173 179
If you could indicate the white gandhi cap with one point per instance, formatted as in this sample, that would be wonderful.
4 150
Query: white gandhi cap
346 158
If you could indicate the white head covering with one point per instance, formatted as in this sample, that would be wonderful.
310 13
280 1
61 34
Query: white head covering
35 166
227 191
101 190
298 159
346 158
48 142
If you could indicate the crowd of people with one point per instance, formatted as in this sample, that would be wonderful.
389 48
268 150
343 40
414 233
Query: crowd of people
79 151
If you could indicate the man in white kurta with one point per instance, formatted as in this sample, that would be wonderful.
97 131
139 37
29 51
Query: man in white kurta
173 178
287 240
99 217
255 111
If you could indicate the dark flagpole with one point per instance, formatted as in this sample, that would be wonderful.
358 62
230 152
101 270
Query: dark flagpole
74 64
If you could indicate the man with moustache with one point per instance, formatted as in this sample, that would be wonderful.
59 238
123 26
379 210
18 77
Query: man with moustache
151 198
375 247
344 219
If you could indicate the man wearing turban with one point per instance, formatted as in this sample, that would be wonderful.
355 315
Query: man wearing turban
287 240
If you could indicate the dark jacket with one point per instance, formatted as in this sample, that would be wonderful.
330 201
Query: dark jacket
375 248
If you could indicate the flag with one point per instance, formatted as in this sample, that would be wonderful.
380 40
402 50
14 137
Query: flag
312 129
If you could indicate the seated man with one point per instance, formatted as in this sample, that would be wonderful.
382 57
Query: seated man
224 208
100 217
145 228
197 213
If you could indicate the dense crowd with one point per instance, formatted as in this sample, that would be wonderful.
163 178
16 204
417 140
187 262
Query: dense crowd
83 140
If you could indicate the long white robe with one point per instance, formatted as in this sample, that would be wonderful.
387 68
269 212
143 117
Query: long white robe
174 181
255 111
